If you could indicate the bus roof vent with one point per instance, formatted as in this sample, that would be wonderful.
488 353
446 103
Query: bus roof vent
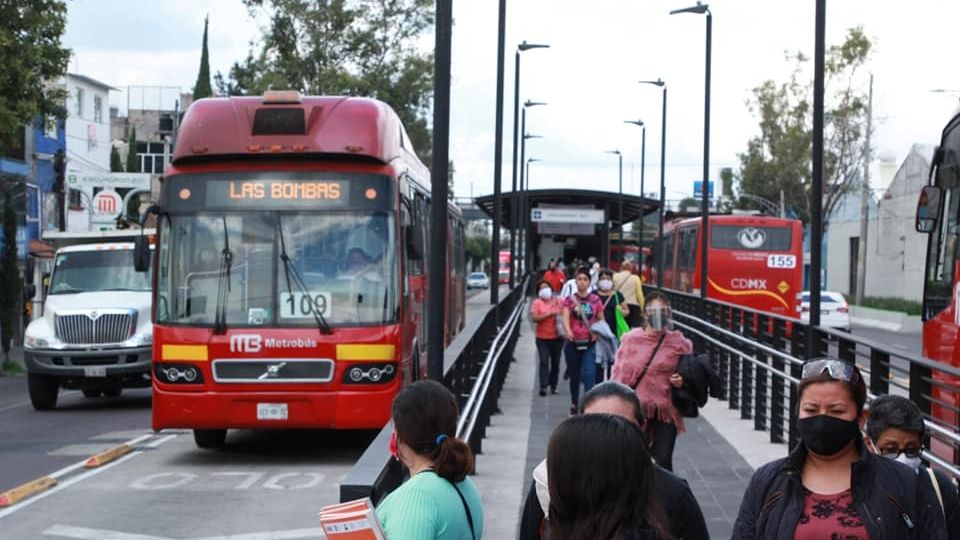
277 121
276 97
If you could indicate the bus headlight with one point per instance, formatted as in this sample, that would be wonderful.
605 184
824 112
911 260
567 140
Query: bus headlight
178 374
370 374
31 342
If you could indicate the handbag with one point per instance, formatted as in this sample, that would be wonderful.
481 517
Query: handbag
622 326
647 367
697 387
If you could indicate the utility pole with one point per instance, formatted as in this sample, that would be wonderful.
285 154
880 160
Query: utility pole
864 205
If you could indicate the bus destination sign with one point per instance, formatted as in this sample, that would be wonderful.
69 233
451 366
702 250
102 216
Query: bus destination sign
272 193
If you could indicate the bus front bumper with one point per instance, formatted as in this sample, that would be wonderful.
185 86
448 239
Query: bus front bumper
345 409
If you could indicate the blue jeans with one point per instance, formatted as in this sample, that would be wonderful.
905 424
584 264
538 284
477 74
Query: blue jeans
581 367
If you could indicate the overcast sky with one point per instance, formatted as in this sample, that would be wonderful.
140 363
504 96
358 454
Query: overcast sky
588 75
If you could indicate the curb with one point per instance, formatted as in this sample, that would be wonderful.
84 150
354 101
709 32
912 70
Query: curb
17 494
106 457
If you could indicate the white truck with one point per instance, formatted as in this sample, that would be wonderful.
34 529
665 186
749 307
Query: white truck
95 333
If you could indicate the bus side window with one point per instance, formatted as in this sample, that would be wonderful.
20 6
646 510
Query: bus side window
406 223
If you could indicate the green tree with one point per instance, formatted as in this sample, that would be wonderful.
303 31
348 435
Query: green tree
202 87
31 60
10 280
133 161
779 158
344 47
478 251
116 164
687 203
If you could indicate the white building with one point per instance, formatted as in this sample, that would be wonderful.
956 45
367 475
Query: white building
895 251
88 123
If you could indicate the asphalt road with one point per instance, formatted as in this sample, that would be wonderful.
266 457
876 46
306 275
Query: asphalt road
34 443
901 341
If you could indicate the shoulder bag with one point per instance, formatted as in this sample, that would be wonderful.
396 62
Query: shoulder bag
649 362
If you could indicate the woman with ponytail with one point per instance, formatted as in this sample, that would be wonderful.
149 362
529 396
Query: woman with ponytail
438 501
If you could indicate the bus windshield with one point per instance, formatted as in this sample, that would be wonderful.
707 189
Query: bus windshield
341 263
100 270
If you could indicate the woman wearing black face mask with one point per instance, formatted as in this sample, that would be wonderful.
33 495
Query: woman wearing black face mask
830 486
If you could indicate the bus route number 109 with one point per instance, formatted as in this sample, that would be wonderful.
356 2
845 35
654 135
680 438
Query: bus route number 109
781 261
298 305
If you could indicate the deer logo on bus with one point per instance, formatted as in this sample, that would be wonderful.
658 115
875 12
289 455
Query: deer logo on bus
751 238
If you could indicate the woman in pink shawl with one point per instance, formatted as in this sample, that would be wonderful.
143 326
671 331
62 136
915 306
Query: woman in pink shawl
647 362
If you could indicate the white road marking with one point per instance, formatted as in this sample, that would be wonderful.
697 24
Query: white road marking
84 533
14 406
161 440
65 484
252 478
149 482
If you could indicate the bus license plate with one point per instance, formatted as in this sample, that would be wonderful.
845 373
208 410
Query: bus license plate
271 411
94 371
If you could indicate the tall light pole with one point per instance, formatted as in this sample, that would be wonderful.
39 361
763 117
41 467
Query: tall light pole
643 167
498 159
529 161
704 185
619 198
516 164
663 190
523 212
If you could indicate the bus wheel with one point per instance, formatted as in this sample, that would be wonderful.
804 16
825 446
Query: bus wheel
91 393
210 439
43 391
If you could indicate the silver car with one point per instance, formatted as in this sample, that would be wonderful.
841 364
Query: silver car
477 280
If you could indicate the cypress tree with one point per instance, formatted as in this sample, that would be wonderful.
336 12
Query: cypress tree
10 281
202 87
133 161
116 164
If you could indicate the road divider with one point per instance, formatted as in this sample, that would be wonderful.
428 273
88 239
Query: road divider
13 496
108 456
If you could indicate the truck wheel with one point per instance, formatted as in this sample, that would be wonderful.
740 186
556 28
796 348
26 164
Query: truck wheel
112 392
43 391
91 393
210 439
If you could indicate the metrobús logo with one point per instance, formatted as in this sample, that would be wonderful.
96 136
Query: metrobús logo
253 343
751 238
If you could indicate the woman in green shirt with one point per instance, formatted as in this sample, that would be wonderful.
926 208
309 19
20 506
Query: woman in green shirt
438 501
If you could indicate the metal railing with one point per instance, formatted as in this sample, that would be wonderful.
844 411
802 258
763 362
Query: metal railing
758 357
475 367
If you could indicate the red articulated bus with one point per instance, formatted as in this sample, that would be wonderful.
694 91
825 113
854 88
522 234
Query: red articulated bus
754 261
938 213
290 274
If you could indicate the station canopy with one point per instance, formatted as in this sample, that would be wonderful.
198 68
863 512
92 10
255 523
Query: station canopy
634 207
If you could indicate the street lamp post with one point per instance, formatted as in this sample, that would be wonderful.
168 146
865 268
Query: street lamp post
704 200
523 211
516 164
498 159
643 167
619 198
529 161
663 190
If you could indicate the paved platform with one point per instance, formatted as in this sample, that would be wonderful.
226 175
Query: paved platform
717 471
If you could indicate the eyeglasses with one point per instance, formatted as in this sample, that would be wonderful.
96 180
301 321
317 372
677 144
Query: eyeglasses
893 453
836 369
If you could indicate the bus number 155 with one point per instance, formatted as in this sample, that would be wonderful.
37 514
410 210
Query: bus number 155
781 261
299 306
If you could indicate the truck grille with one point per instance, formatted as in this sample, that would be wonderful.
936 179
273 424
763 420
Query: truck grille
95 327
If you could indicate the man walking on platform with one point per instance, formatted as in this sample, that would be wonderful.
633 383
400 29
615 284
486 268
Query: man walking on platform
555 277
629 285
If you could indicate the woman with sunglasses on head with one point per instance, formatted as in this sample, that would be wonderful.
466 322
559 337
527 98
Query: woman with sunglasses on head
830 486
647 362
439 500
895 430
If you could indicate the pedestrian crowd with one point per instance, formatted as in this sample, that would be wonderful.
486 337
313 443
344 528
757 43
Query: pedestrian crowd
857 473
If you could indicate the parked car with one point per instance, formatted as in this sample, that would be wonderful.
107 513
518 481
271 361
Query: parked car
477 280
834 310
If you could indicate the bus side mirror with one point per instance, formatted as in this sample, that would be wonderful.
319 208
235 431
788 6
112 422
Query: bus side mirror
415 251
928 209
141 253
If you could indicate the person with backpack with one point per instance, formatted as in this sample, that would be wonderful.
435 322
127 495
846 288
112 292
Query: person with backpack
627 283
647 361
831 486
895 430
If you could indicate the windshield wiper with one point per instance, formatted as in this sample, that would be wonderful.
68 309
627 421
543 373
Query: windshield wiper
288 269
223 285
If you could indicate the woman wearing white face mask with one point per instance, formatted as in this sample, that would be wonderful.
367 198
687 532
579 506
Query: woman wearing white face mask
647 362
895 430
543 312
